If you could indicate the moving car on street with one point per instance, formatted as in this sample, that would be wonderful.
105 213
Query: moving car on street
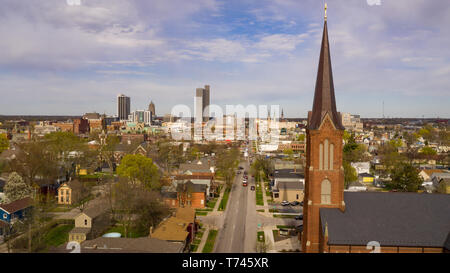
285 203
295 203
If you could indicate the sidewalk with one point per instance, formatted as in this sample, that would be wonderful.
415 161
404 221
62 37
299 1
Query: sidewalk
268 233
203 241
263 188
216 207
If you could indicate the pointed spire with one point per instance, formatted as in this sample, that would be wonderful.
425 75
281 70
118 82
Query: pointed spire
324 100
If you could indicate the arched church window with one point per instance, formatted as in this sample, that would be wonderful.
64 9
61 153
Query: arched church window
325 192
331 155
325 157
320 156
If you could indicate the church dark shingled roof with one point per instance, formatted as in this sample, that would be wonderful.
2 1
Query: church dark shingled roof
390 218
324 100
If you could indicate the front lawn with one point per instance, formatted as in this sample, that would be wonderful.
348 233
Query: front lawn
58 235
259 195
224 201
209 245
211 203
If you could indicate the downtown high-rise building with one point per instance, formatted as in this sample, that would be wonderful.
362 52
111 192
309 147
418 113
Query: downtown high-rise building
123 107
151 108
202 100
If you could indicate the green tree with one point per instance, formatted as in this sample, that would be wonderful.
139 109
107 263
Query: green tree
301 137
226 163
405 178
427 150
354 152
16 188
135 207
29 162
139 169
261 165
350 174
4 143
289 153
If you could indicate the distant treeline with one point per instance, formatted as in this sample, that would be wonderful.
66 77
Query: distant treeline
37 118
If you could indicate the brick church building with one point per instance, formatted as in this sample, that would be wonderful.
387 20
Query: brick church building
335 221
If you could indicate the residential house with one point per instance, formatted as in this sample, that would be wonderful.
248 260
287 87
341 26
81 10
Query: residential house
200 179
179 228
437 177
185 194
90 224
280 164
366 178
16 210
125 245
69 193
427 173
361 167
443 185
287 175
199 167
356 186
288 191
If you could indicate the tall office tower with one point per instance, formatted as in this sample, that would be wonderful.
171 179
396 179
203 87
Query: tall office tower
202 97
206 103
123 107
198 107
151 108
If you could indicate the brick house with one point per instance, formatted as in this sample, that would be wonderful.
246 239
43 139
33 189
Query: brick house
185 194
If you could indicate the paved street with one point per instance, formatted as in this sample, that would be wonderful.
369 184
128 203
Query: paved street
239 224
232 235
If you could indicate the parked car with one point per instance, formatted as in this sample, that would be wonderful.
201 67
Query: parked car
299 228
285 203
252 188
295 203
301 203
238 172
241 168
299 217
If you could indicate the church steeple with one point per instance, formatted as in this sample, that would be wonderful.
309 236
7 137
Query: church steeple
324 174
324 100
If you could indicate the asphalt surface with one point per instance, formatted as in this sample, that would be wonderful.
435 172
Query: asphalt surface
231 238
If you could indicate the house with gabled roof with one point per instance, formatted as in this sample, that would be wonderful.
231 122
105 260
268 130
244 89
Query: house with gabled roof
16 210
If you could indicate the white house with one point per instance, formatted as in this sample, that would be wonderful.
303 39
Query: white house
361 167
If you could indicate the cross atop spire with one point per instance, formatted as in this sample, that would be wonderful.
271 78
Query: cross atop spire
325 11
324 100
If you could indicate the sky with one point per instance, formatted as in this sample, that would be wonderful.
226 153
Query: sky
61 58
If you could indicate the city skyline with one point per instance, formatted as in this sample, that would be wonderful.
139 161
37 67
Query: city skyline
248 53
